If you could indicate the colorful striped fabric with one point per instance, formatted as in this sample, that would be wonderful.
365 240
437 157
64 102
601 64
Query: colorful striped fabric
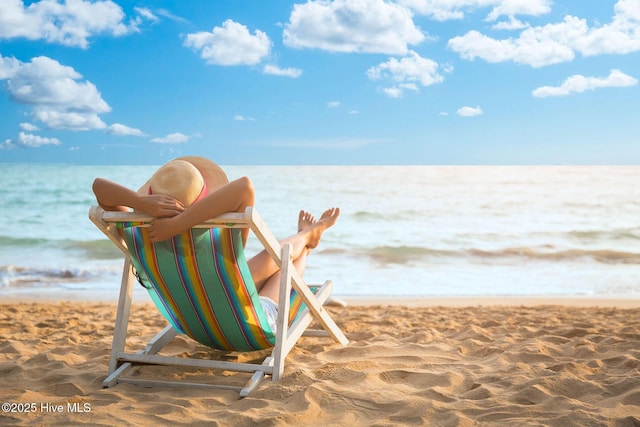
201 283
127 224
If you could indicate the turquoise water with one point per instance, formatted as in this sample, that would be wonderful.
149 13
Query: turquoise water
404 230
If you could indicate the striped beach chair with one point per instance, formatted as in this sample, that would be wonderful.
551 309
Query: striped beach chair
201 283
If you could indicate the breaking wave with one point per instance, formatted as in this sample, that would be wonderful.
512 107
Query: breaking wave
412 254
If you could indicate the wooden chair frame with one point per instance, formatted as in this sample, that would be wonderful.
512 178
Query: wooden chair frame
286 336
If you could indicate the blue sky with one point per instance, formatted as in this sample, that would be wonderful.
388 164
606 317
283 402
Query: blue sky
320 82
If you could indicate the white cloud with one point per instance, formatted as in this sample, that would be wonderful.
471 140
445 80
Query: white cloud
146 13
8 67
69 120
519 7
241 118
170 15
120 129
469 111
333 104
57 95
172 138
285 72
443 10
366 26
406 73
578 84
558 42
231 44
534 47
440 10
512 24
70 23
29 140
392 92
621 36
29 127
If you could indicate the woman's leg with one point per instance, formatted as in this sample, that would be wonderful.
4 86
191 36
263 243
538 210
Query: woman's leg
271 287
262 266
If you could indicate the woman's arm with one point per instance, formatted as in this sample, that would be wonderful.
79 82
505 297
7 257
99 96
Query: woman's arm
232 197
114 197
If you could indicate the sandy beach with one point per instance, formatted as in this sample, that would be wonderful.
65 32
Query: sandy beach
449 362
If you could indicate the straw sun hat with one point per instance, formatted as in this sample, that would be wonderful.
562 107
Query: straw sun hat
187 179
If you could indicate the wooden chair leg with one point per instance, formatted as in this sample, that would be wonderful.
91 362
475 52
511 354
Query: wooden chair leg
122 315
279 351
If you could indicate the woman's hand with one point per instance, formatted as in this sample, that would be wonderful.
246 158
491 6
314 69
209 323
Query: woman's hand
160 205
163 229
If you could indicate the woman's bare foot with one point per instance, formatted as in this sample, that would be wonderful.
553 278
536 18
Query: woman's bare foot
305 220
315 230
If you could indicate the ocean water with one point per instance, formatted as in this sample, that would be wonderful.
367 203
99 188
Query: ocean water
403 230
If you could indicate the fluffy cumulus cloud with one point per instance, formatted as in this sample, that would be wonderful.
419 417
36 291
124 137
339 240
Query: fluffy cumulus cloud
620 36
406 73
519 7
56 93
172 138
511 24
29 140
68 22
579 84
369 26
443 10
29 127
120 129
557 42
230 44
8 67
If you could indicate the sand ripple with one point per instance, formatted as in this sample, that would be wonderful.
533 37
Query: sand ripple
495 366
